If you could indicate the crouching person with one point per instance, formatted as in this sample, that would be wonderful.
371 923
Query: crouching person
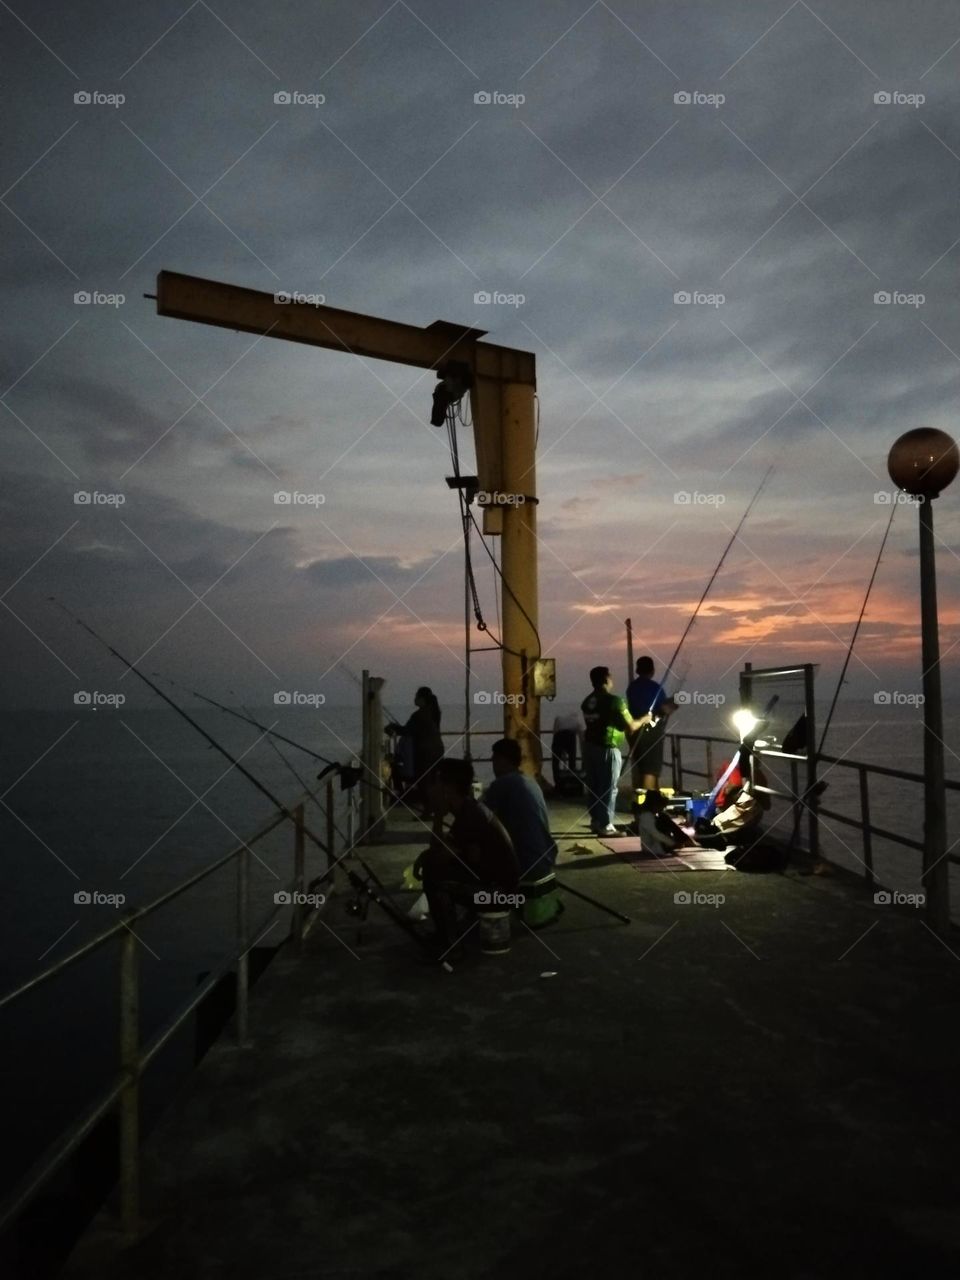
471 865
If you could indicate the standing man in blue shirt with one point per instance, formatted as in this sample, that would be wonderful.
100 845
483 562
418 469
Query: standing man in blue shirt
519 804
645 696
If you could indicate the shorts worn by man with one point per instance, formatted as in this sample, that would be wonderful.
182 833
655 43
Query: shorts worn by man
607 719
473 864
519 804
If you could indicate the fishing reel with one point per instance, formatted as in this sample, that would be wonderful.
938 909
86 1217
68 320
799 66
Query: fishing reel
350 774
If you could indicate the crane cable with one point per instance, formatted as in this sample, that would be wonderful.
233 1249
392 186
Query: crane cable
455 415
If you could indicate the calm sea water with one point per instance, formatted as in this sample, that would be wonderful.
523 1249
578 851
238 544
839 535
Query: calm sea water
131 803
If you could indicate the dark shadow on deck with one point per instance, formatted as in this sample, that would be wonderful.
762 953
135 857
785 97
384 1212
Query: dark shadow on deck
761 1087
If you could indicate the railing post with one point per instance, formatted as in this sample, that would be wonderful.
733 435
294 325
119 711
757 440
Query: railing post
331 833
865 825
243 930
296 926
130 1098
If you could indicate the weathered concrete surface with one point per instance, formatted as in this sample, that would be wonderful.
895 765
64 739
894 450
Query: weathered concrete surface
764 1087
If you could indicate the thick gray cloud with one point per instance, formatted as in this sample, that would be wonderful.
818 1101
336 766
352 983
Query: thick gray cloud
400 196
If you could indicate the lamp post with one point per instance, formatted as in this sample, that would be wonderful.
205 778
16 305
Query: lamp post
922 463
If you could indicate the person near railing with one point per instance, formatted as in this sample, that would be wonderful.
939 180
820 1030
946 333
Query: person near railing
471 865
647 696
422 732
607 718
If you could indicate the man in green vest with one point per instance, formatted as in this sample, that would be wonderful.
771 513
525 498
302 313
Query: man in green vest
607 719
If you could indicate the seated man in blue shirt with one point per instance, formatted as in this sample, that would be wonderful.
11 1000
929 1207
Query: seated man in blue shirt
519 804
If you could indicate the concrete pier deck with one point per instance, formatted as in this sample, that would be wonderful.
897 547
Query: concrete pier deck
763 1086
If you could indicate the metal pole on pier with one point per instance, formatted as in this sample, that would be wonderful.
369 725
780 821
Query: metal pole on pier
923 462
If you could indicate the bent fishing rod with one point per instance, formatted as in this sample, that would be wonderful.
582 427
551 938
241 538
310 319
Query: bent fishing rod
713 577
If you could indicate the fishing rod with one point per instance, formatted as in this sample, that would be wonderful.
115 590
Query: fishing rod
278 804
713 577
264 790
246 718
856 629
806 799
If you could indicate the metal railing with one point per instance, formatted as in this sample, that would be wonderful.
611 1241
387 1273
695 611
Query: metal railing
863 823
123 1093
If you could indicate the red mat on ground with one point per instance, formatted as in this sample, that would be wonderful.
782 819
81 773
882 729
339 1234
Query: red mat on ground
629 848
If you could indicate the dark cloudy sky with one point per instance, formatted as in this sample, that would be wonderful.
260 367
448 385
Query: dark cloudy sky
797 198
